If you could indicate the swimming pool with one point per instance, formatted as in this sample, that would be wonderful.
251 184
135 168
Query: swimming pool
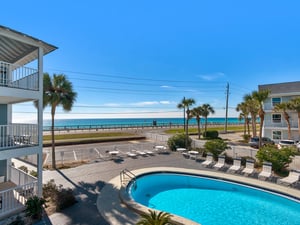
213 202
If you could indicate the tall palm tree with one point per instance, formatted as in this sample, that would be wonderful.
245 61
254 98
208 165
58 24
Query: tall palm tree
283 107
58 91
295 105
207 109
181 105
162 218
260 97
253 110
197 112
243 109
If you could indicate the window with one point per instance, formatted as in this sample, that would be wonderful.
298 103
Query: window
276 118
276 101
276 135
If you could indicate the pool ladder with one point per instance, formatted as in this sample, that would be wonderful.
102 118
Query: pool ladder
126 176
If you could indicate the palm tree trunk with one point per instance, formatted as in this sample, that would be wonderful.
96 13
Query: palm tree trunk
253 120
53 141
248 126
199 131
261 123
205 127
184 120
287 120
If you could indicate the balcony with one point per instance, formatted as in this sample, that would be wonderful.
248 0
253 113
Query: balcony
15 76
18 135
15 192
282 124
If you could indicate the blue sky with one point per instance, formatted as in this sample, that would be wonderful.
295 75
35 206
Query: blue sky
140 58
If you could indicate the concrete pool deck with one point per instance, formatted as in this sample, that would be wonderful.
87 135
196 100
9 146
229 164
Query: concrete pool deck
117 213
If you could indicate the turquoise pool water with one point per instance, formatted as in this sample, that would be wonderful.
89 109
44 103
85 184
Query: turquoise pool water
213 202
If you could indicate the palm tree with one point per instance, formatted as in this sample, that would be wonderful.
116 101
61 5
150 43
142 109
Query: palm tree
58 91
243 108
253 109
197 112
184 104
207 109
283 107
162 218
260 97
295 105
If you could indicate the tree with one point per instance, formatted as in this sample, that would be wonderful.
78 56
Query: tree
185 104
58 91
243 108
216 147
207 109
253 109
197 112
162 218
283 107
260 97
295 105
280 159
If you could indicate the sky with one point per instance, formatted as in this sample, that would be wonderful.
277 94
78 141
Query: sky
139 58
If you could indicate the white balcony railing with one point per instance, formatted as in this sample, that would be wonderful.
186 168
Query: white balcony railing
15 76
18 135
280 125
14 193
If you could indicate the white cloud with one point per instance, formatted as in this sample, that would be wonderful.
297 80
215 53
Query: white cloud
145 103
165 102
212 76
165 86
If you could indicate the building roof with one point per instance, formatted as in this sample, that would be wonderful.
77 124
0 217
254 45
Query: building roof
19 48
290 88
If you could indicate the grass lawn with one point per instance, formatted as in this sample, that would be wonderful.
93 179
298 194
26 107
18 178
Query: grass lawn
230 128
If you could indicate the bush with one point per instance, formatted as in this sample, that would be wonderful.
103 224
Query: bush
246 137
23 168
215 147
33 173
211 134
178 141
61 197
280 159
34 207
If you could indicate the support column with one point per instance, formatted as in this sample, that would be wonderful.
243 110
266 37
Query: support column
40 123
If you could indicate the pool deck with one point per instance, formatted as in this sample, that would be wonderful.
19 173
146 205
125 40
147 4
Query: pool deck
116 213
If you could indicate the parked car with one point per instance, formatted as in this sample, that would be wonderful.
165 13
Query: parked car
254 141
283 143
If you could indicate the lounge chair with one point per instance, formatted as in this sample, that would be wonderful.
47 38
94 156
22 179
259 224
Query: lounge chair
131 154
249 169
221 162
266 171
141 153
208 161
236 165
291 179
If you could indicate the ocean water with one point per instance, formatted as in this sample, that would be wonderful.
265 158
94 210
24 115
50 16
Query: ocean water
129 122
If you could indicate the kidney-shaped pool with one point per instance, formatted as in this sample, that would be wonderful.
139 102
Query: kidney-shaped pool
213 202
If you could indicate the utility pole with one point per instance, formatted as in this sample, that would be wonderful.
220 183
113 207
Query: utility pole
226 115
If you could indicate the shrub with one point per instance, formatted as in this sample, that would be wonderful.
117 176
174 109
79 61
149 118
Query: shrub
65 199
246 137
34 207
211 134
215 147
279 158
178 141
33 173
24 168
161 218
61 197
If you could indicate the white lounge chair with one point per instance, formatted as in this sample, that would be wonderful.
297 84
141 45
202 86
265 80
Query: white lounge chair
249 168
236 165
266 171
141 153
131 154
208 161
221 162
291 179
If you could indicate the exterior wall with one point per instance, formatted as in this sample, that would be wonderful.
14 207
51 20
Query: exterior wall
272 124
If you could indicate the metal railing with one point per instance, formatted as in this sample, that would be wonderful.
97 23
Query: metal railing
126 175
16 76
18 135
